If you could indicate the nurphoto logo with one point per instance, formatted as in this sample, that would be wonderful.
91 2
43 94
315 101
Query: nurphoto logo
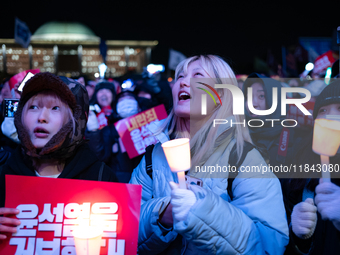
277 99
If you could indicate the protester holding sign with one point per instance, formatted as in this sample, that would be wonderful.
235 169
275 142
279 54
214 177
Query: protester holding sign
313 206
51 121
209 220
111 148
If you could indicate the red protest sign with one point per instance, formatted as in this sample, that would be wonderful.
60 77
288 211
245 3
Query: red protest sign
50 210
134 130
323 61
20 76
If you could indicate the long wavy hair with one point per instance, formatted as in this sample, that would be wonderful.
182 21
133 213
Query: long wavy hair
203 141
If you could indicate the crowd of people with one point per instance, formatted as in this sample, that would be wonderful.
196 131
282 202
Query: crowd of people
65 129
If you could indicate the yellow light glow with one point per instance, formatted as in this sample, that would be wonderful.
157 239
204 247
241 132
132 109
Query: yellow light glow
87 240
177 153
326 138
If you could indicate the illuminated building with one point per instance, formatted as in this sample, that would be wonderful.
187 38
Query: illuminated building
72 49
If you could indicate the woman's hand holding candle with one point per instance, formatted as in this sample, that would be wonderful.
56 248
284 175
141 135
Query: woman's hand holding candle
182 200
177 153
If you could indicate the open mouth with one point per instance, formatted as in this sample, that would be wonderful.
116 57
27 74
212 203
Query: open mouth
39 130
182 96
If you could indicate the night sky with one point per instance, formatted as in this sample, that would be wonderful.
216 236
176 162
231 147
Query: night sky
236 31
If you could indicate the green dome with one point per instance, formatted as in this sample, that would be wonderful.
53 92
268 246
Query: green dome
64 31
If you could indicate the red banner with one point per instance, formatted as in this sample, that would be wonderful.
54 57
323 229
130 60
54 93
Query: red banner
322 62
50 210
134 130
20 76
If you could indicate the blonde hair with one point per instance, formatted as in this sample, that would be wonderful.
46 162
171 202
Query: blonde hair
202 143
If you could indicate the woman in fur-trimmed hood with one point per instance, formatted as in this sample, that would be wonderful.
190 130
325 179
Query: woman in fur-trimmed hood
51 121
71 135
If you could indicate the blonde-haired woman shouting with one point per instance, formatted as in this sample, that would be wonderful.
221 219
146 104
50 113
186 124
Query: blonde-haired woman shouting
250 218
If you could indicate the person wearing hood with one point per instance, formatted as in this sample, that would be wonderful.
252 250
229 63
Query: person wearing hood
267 136
106 142
153 91
313 205
105 97
207 219
51 121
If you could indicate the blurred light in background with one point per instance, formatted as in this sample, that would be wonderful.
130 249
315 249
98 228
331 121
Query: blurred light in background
127 84
102 69
309 66
328 75
151 68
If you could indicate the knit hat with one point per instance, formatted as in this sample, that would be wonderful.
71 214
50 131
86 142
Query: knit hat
330 95
64 142
104 85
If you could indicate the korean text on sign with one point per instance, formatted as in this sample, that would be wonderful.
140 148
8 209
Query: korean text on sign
47 220
134 131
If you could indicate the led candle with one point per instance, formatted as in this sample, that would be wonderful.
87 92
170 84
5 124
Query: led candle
177 153
326 140
87 240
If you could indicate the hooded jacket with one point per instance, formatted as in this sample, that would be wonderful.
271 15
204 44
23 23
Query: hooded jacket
67 144
326 238
110 86
268 135
253 222
105 143
62 144
104 85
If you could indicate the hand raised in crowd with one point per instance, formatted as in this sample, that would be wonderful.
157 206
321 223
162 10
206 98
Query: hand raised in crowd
327 200
8 225
182 200
304 219
92 122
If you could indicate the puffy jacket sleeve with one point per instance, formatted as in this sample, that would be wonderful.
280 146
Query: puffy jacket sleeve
153 238
254 222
